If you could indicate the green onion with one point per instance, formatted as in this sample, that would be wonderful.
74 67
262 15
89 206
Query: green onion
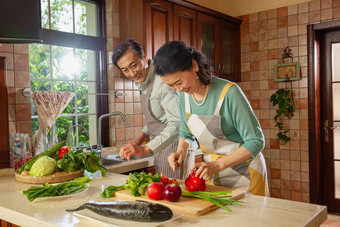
217 198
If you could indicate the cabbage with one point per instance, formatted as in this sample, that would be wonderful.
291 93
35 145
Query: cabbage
43 166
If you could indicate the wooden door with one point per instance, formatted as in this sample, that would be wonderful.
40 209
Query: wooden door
4 134
229 51
159 27
207 38
330 118
185 25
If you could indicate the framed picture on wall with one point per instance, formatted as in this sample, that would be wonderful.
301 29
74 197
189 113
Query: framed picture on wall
287 71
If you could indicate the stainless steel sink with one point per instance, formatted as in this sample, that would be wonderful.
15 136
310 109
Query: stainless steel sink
114 158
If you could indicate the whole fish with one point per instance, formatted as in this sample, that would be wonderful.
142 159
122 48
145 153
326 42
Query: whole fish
133 211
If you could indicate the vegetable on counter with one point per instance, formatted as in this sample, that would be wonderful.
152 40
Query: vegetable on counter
155 191
132 211
67 160
172 192
88 161
51 152
165 180
194 183
219 199
136 184
43 166
67 188
63 150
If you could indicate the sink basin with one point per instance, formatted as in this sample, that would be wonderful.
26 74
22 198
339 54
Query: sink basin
114 158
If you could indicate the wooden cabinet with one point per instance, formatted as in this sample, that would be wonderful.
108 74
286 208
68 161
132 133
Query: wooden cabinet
219 40
158 25
4 133
185 25
216 35
6 224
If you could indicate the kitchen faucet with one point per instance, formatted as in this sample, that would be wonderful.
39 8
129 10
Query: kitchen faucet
99 142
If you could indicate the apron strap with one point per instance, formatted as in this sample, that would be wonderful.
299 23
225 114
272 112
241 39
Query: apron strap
187 107
221 99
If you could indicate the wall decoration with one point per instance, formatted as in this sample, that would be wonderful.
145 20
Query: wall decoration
287 71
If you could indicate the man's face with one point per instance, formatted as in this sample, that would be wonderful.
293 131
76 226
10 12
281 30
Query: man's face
133 67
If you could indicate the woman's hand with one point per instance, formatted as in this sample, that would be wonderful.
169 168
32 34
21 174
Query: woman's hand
129 149
206 169
176 159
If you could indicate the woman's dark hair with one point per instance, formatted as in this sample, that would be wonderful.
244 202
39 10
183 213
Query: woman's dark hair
177 56
125 45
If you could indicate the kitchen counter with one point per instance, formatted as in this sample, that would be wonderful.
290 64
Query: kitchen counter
255 211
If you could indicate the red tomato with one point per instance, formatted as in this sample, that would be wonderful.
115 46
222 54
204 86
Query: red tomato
62 151
195 183
155 191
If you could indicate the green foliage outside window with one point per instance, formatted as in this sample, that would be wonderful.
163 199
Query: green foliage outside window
47 73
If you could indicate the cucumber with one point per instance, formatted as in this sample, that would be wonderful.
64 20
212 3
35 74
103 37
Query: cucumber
27 166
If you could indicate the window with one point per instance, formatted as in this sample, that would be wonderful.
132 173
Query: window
71 58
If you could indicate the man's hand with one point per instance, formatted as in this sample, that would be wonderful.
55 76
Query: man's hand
129 149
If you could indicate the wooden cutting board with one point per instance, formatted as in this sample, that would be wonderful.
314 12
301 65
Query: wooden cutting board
187 205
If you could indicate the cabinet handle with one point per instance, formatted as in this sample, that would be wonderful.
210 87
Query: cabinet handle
222 68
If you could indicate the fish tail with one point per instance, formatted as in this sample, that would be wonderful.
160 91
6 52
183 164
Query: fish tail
72 210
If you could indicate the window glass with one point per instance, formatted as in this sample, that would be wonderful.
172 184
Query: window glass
61 15
85 18
60 67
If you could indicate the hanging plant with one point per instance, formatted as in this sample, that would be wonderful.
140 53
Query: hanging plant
285 101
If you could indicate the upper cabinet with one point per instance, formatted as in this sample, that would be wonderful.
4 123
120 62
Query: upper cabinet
185 25
220 41
158 25
215 34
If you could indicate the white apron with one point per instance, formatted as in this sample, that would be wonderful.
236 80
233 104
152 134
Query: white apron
251 175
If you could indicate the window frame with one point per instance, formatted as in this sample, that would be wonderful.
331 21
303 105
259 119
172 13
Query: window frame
96 43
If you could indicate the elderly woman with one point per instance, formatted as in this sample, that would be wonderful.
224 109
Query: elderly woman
215 112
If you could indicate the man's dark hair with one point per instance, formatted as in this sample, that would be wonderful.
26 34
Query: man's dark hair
124 46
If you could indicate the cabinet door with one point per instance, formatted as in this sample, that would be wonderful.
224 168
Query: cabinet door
185 25
229 51
159 27
207 38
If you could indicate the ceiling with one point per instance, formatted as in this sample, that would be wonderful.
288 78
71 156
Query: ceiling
241 7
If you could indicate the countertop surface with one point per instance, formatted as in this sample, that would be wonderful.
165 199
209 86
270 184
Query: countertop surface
255 211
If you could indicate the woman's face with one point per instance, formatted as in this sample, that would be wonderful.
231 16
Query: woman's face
186 81
133 67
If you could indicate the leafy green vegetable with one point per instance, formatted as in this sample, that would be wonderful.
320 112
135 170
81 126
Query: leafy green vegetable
81 160
67 188
136 184
217 198
43 166
51 152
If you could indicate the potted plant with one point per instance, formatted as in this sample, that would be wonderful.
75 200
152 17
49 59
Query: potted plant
286 107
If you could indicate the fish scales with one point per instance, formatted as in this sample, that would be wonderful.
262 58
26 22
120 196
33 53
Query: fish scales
132 211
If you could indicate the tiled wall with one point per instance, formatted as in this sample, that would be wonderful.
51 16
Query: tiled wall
121 132
19 107
264 36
